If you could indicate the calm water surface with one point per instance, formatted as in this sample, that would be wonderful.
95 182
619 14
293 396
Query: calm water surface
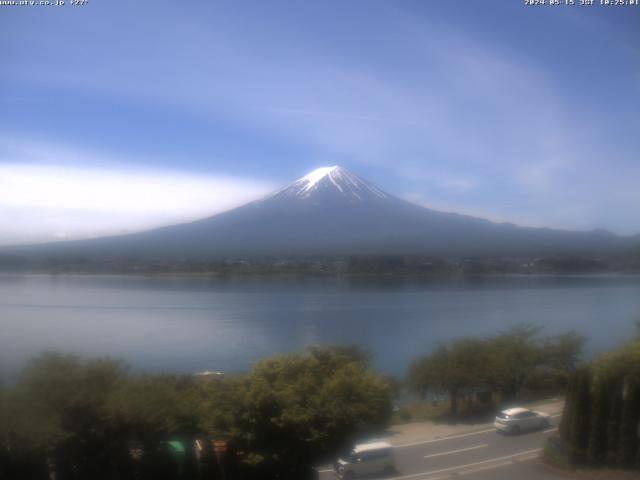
193 324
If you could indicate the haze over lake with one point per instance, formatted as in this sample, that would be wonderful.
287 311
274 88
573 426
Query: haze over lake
189 324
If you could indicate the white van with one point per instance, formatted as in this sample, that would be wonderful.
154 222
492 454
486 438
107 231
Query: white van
366 459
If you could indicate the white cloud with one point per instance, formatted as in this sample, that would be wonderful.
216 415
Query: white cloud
41 202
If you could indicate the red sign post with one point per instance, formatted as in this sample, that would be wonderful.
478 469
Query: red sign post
219 449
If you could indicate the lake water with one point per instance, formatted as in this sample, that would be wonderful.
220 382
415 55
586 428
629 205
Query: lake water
184 324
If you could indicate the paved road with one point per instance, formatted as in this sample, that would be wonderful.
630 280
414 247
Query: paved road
477 455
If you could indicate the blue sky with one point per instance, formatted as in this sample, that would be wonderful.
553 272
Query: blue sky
118 116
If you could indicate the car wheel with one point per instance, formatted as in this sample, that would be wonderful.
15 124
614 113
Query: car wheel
349 475
544 424
515 430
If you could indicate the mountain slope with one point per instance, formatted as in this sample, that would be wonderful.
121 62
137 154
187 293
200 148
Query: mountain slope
332 211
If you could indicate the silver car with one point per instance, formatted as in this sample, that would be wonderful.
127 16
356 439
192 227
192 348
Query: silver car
366 459
516 420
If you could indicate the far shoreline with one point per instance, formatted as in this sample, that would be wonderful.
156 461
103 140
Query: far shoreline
336 275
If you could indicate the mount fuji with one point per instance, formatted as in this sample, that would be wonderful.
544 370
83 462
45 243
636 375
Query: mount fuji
331 211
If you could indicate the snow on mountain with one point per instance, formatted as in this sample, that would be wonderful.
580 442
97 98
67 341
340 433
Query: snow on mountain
334 178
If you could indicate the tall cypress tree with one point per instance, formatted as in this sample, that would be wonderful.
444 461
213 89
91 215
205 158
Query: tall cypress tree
579 434
628 442
613 424
566 423
597 448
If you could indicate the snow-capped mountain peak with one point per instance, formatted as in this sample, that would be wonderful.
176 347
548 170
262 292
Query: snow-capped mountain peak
318 174
334 179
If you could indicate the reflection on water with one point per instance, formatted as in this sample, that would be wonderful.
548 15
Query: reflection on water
191 324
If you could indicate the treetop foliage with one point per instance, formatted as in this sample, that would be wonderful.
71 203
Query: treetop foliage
82 418
503 364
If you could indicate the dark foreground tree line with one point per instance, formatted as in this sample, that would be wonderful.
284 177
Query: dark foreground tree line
601 420
68 418
92 419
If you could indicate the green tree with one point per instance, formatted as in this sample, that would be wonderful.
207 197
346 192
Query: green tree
563 352
155 407
298 408
578 432
628 443
515 356
622 369
600 407
461 367
506 364
613 428
567 418
59 413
